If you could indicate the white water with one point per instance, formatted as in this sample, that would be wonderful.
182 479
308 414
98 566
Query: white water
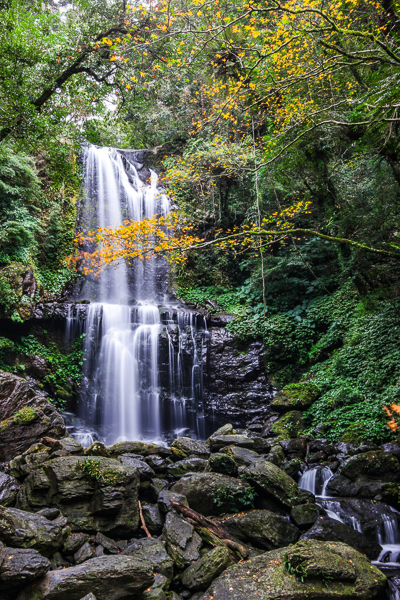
122 324
316 480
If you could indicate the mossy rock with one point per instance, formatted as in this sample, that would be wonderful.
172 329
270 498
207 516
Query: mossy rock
296 396
24 416
289 426
355 433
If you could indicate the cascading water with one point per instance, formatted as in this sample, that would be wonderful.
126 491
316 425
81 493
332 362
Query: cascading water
122 396
316 480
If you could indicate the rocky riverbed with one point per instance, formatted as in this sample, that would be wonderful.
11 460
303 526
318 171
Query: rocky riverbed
210 520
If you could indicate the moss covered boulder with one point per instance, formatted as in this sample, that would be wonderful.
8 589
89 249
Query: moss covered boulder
296 396
201 573
309 570
20 529
291 425
182 542
274 484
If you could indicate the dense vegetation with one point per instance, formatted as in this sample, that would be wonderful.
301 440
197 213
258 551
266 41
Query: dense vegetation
252 108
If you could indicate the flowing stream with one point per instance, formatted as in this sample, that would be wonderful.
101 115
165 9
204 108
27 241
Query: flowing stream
143 356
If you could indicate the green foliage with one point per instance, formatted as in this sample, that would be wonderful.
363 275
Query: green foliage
234 499
93 471
298 570
24 416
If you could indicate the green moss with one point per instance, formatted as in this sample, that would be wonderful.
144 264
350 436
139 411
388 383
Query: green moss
289 426
4 424
24 416
296 396
355 433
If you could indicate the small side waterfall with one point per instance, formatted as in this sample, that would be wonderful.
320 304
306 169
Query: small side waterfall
143 358
316 480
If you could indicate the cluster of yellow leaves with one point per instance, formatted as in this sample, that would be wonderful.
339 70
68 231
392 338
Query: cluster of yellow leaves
394 408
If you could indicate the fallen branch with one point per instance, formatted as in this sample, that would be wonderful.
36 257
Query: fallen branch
143 526
213 532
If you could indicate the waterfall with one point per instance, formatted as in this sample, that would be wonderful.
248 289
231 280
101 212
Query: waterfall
125 394
316 480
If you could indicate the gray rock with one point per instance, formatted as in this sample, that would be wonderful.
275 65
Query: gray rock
21 529
262 528
222 441
273 483
214 494
157 464
67 446
243 456
183 543
109 505
266 577
89 597
224 464
74 542
107 543
165 497
153 518
9 487
145 471
189 465
304 515
156 486
84 553
201 573
107 577
156 594
184 447
38 419
19 566
137 448
226 429
154 553
49 513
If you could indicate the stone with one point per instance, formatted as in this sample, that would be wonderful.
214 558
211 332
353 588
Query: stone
49 513
182 542
223 463
189 465
109 505
9 487
296 396
296 447
137 448
145 471
154 594
89 597
291 425
184 447
243 457
35 455
327 529
97 449
107 578
21 566
74 542
273 483
276 455
84 553
67 446
21 529
153 518
293 467
334 571
157 464
304 515
152 552
58 561
214 494
226 429
222 441
156 486
165 497
263 528
25 416
201 573
365 475
107 543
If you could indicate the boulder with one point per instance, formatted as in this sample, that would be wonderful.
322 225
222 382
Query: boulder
158 464
189 465
331 530
274 484
165 497
145 471
224 464
365 475
183 447
262 528
153 552
294 448
222 441
74 542
25 416
137 448
309 570
226 429
296 396
201 573
182 542
243 457
96 449
20 566
291 425
9 487
214 494
108 544
107 577
94 493
23 464
84 553
304 515
153 518
21 529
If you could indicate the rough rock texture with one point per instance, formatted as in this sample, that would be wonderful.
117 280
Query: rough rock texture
153 518
212 493
21 529
107 577
145 471
183 543
263 528
20 566
237 384
137 448
224 464
304 515
272 482
154 553
201 573
21 430
8 489
183 447
365 475
243 456
190 465
109 505
327 529
267 578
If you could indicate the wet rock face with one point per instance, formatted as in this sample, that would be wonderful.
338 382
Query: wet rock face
236 384
267 577
25 417
21 529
